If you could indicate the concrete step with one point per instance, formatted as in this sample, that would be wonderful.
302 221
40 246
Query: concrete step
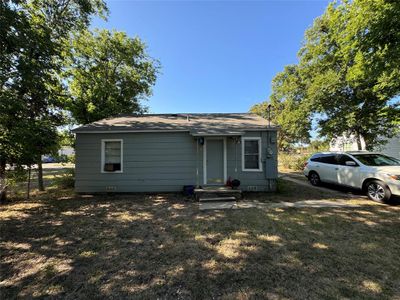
214 192
216 199
217 190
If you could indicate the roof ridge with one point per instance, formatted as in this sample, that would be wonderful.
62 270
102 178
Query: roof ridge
173 114
179 121
188 113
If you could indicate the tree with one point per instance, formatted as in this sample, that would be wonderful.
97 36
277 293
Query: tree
33 35
350 64
109 73
288 110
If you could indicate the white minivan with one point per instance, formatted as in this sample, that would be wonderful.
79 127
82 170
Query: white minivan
376 174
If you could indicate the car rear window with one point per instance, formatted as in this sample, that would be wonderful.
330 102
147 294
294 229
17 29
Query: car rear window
324 158
315 157
329 159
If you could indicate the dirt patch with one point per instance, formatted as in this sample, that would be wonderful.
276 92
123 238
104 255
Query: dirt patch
160 246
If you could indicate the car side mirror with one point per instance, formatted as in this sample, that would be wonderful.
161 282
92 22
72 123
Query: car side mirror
350 163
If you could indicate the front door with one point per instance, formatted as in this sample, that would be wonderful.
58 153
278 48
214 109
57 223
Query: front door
215 161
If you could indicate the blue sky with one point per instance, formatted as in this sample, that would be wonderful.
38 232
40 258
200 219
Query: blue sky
216 56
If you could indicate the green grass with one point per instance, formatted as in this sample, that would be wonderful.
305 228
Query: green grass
159 246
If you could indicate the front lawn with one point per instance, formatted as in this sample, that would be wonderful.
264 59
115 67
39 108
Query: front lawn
161 246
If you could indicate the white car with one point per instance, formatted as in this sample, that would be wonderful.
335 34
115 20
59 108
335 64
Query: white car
376 174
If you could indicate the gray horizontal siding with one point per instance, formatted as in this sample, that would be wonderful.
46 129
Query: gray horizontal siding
157 162
152 162
129 189
256 179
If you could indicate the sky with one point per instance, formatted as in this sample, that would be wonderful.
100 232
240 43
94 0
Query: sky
215 56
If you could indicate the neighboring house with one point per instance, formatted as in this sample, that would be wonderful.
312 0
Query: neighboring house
66 150
63 151
343 143
164 152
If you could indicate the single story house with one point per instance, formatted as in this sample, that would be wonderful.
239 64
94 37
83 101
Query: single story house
349 143
164 152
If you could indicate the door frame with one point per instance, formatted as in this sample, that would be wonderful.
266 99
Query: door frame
205 158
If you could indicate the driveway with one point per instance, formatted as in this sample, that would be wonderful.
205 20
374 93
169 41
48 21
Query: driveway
295 192
330 189
326 188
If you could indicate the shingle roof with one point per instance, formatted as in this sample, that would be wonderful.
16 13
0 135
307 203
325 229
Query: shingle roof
196 124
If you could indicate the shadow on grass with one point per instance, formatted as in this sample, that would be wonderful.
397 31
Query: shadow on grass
292 192
288 191
162 247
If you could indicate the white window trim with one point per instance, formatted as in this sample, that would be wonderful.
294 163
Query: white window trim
103 143
258 139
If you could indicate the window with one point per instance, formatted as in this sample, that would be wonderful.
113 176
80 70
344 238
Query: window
377 160
328 159
251 154
342 158
111 156
316 158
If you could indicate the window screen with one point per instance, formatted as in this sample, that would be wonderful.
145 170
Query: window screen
251 155
112 156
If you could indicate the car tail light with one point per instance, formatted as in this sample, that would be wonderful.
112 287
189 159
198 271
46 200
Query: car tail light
305 164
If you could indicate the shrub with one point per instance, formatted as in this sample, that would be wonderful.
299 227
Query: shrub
299 162
67 180
292 161
281 186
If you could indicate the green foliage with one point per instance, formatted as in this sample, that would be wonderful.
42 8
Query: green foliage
281 186
318 146
16 175
109 73
32 52
66 138
293 161
347 79
66 180
350 63
287 108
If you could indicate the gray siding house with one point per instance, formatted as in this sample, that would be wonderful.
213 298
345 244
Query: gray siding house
164 152
349 143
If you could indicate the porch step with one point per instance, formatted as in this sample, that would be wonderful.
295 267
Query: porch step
217 193
216 199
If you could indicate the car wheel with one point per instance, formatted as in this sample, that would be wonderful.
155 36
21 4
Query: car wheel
378 191
314 178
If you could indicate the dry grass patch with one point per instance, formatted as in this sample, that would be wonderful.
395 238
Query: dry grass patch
160 246
291 192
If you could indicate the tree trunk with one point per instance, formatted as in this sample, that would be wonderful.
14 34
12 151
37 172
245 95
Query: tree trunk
367 146
40 176
359 144
29 183
3 187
